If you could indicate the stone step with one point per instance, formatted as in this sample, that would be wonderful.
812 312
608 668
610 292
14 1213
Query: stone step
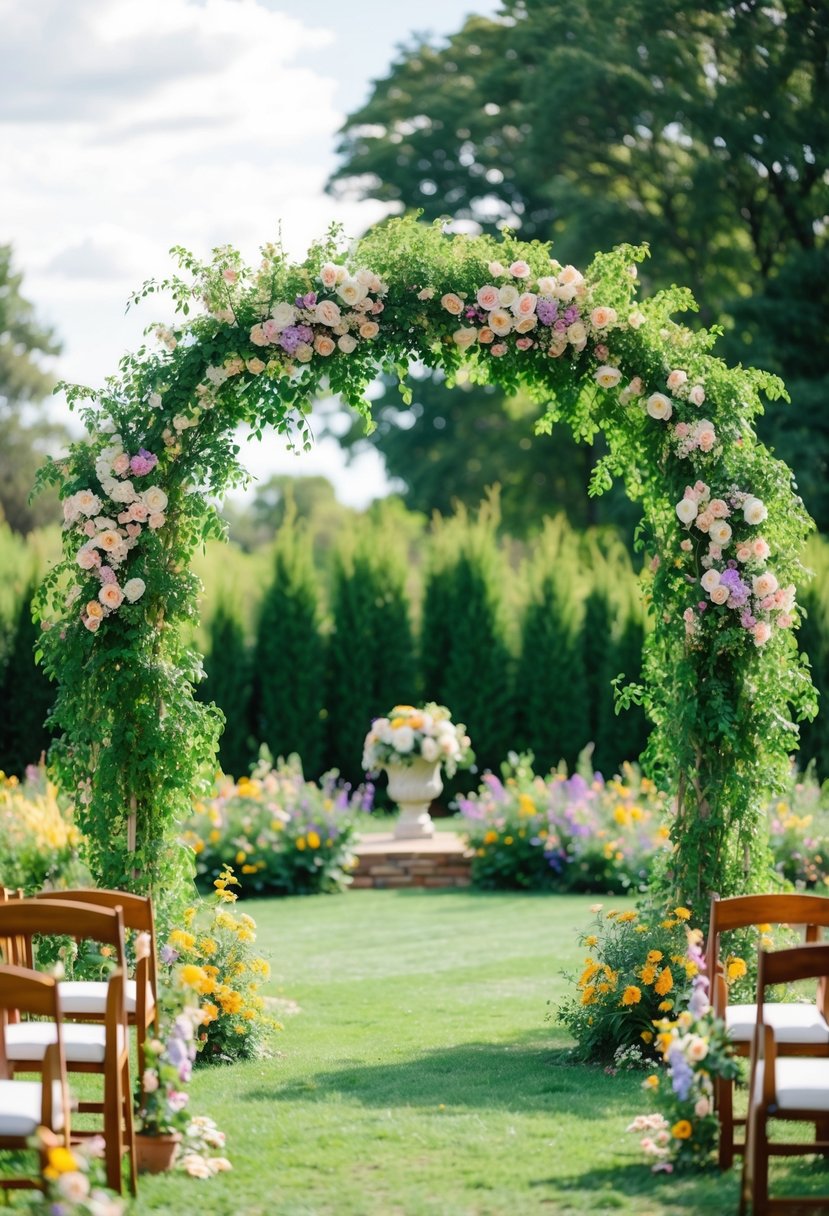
442 860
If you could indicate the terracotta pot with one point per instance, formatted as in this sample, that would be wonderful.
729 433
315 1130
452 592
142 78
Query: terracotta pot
155 1154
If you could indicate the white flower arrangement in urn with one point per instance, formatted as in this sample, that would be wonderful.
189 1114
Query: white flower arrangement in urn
413 745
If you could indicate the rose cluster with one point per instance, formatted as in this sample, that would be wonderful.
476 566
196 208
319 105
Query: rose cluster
550 318
321 324
409 733
111 523
742 583
688 437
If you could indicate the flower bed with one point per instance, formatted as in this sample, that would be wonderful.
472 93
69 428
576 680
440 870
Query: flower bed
578 833
39 842
285 835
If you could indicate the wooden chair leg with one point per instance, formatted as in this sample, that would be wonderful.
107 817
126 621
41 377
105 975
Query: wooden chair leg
724 1098
113 1115
759 1167
129 1130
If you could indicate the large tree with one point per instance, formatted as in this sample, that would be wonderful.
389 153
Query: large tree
702 129
25 434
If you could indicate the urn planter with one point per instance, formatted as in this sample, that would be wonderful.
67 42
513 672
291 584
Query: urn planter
414 787
156 1154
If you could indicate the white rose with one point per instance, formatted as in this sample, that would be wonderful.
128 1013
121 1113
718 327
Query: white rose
546 285
283 314
403 739
659 406
351 292
134 588
429 749
123 491
577 335
710 580
687 510
496 269
154 499
720 533
608 377
507 295
754 511
347 343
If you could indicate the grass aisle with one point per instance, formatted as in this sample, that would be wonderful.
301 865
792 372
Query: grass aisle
416 1075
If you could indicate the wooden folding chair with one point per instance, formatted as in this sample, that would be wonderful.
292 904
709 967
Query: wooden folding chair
26 1106
800 1029
85 1000
102 1048
794 1088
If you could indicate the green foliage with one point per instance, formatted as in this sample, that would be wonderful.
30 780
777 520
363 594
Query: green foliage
814 641
229 684
40 845
286 835
371 655
466 658
26 695
289 695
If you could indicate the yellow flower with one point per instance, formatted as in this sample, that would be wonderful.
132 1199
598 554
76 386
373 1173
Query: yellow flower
646 1036
669 924
665 982
61 1161
735 969
490 837
654 956
691 969
648 973
627 917
209 1013
665 1006
181 940
207 945
682 1130
589 995
640 928
591 941
682 913
241 856
526 806
589 971
231 1002
313 839
507 840
300 843
192 975
631 995
651 1082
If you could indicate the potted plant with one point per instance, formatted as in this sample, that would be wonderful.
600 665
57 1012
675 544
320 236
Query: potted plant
414 746
162 1098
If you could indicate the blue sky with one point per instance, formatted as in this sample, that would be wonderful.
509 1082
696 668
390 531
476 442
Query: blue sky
128 126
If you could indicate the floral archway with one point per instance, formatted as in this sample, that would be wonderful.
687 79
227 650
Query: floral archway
723 525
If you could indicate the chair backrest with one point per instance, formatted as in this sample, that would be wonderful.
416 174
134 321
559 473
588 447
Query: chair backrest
32 992
742 911
50 917
789 966
137 911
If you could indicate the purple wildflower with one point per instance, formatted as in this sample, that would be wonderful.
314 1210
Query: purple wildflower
747 620
546 310
143 463
168 955
307 301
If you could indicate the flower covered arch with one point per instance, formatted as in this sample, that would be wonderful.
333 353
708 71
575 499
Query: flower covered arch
723 526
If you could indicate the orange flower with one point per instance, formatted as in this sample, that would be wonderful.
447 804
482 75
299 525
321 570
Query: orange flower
682 1130
631 995
665 982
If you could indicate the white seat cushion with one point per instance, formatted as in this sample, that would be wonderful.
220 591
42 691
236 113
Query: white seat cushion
802 1083
82 1043
90 997
21 1107
792 1023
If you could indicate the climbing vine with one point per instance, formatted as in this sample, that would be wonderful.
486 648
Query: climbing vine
723 526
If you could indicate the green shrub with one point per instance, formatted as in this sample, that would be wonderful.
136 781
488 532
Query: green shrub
228 685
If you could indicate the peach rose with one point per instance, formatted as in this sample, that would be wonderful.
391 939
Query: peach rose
761 632
760 548
525 325
500 322
94 610
452 303
157 520
369 330
720 594
465 337
676 379
719 508
327 312
304 353
485 336
111 596
603 316
324 345
255 366
743 554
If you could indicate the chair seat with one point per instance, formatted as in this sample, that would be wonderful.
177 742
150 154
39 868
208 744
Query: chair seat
802 1083
82 1043
90 996
792 1023
21 1107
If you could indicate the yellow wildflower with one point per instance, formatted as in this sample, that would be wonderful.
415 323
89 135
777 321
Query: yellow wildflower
682 1130
648 973
626 917
589 995
300 843
591 941
209 1013
646 1036
526 806
665 1006
654 956
665 982
313 839
651 1082
180 940
735 969
490 837
682 914
631 995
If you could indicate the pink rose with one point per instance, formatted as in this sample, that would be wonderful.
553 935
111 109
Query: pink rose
497 349
676 379
761 632
636 387
230 276
327 312
157 520
520 270
328 275
271 330
92 623
696 395
488 297
784 621
88 558
743 554
719 508
686 545
121 464
682 430
524 343
524 306
760 548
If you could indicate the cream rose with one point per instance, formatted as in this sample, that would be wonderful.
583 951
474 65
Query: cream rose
602 316
676 379
710 580
754 511
577 335
496 270
327 312
720 594
324 345
255 366
465 337
347 343
764 584
304 353
351 292
154 499
636 319
452 303
86 502
608 377
507 295
720 532
111 596
283 314
134 588
546 285
525 325
500 322
659 406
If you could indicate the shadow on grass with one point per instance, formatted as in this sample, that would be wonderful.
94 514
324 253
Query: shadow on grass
515 1075
605 1188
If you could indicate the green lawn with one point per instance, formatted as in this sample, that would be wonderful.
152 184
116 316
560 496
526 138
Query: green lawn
416 1075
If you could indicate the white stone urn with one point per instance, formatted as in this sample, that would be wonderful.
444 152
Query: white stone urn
413 787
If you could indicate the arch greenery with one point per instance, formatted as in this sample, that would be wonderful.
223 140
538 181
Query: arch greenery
723 525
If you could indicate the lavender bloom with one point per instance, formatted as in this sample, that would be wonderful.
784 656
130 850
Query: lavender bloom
699 1004
290 339
682 1075
546 310
306 301
747 620
368 796
496 789
571 314
168 955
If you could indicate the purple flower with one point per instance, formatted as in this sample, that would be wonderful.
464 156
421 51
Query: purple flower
546 310
682 1074
168 955
143 463
495 787
307 301
747 620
